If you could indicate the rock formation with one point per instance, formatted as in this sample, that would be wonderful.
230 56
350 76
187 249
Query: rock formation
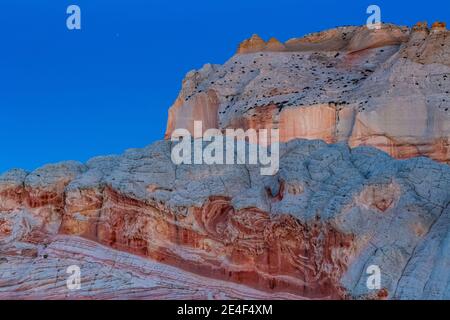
386 88
309 232
142 227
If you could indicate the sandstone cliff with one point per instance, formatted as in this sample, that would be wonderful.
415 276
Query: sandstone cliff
387 88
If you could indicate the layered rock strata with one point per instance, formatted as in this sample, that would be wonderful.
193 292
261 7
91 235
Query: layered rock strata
386 88
311 231
347 102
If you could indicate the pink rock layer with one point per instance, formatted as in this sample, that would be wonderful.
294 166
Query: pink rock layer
108 274
248 247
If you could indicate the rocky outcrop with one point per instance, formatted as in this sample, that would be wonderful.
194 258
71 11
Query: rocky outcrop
39 272
348 39
387 88
347 101
308 232
439 26
256 44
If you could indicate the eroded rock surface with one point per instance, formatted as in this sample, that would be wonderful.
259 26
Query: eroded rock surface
347 101
387 88
310 231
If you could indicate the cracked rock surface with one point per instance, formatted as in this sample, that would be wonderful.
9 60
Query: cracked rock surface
310 231
386 88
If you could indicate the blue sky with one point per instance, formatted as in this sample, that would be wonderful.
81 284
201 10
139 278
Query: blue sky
100 90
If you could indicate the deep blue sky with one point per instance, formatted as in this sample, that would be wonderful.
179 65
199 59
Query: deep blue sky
76 94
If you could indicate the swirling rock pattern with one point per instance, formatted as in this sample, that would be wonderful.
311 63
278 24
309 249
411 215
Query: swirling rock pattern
141 227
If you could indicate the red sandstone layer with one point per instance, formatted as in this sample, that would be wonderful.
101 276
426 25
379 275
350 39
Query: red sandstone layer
272 253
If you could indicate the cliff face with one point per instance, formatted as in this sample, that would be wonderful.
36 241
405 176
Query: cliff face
387 88
140 226
308 232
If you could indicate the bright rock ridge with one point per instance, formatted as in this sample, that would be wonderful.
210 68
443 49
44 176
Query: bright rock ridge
386 88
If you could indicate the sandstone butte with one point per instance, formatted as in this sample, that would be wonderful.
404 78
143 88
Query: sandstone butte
386 88
355 108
